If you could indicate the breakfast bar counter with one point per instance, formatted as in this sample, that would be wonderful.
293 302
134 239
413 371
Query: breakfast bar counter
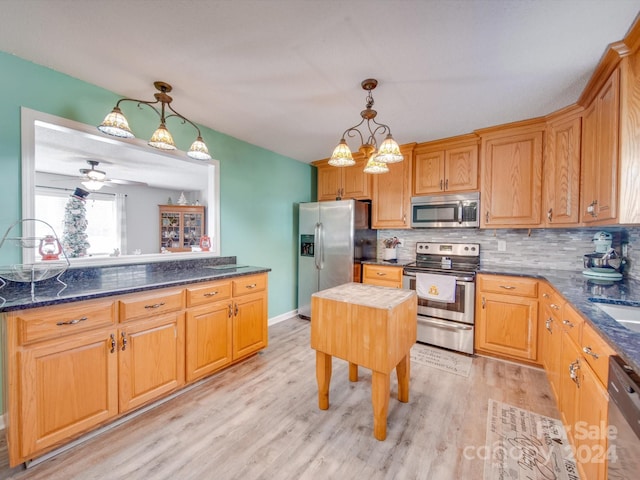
368 326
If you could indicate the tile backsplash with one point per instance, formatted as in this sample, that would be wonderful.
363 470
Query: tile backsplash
559 249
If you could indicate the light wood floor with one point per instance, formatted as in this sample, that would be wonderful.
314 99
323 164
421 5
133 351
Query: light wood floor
260 420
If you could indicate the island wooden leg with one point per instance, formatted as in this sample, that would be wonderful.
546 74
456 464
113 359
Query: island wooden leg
380 401
353 372
402 370
323 376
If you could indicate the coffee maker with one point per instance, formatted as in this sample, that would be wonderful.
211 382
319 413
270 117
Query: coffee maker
604 262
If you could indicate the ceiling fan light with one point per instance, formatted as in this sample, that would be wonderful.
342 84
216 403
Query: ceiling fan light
162 139
389 151
373 166
116 124
199 150
93 185
96 175
342 156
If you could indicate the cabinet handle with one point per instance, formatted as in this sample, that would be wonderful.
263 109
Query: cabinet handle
550 214
381 274
72 322
547 324
546 295
440 184
486 217
568 323
592 210
124 341
484 303
155 305
573 372
588 351
507 287
113 343
230 311
210 294
253 285
446 184
235 312
554 306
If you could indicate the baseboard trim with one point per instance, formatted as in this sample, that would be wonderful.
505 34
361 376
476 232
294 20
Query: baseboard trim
282 317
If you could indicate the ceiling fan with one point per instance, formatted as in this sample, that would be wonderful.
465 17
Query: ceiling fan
94 179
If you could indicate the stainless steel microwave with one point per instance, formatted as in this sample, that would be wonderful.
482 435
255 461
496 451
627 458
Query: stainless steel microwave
446 211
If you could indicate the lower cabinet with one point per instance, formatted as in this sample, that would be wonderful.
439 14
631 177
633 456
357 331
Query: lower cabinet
76 366
507 317
382 275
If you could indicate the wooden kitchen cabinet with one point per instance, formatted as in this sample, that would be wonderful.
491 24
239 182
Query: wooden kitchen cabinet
600 154
343 182
382 275
446 166
249 315
561 171
391 194
181 227
507 322
511 175
550 334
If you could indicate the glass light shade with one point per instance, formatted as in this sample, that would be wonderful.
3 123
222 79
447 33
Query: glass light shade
162 139
199 150
96 175
116 124
93 185
389 151
373 166
341 156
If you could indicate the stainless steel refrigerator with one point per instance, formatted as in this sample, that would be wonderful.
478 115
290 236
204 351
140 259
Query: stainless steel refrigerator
333 237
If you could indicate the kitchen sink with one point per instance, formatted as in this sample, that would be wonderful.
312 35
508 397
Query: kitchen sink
626 315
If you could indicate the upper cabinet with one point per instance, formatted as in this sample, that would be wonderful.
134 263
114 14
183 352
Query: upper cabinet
600 154
446 166
561 169
336 183
511 175
391 195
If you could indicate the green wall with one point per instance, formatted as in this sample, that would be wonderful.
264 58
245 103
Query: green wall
259 189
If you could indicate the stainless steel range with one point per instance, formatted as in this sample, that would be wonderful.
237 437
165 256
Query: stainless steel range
448 322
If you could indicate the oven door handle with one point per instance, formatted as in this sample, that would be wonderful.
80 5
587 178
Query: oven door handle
410 273
455 327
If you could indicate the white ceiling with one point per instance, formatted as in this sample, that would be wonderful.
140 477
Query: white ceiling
285 74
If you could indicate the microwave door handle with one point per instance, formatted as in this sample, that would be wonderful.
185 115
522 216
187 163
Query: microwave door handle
460 212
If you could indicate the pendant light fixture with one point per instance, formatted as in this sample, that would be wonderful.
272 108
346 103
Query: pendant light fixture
116 124
389 151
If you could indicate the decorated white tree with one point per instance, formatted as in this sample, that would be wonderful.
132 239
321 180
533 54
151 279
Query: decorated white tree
74 236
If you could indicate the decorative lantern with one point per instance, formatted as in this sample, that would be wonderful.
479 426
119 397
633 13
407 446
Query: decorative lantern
50 248
205 243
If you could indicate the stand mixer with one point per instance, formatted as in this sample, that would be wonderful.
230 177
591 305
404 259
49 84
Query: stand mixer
604 263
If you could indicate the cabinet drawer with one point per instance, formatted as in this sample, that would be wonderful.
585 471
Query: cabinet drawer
141 305
596 352
509 285
208 293
249 284
572 323
61 320
382 272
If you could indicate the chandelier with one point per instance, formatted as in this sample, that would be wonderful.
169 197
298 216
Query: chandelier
378 158
116 124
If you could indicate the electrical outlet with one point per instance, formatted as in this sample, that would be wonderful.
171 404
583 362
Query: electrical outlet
502 245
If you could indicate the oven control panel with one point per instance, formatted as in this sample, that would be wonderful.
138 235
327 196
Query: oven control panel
448 249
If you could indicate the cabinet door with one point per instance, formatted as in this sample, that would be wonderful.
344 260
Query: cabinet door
67 388
569 368
512 180
600 154
329 182
355 183
151 359
391 196
429 173
508 325
461 169
208 339
590 434
562 172
249 324
551 347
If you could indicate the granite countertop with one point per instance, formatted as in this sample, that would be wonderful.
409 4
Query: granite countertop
96 282
388 263
583 292
367 295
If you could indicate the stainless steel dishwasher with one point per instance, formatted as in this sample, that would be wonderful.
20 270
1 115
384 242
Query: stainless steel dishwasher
624 421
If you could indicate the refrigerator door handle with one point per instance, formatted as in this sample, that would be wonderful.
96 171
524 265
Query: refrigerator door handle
320 243
318 246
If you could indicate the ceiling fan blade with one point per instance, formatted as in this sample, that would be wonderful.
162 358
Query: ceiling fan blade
125 182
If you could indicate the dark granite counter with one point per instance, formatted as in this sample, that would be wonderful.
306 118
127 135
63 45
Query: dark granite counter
582 292
388 263
96 282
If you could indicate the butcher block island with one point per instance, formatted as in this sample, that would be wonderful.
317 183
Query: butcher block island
119 338
368 326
